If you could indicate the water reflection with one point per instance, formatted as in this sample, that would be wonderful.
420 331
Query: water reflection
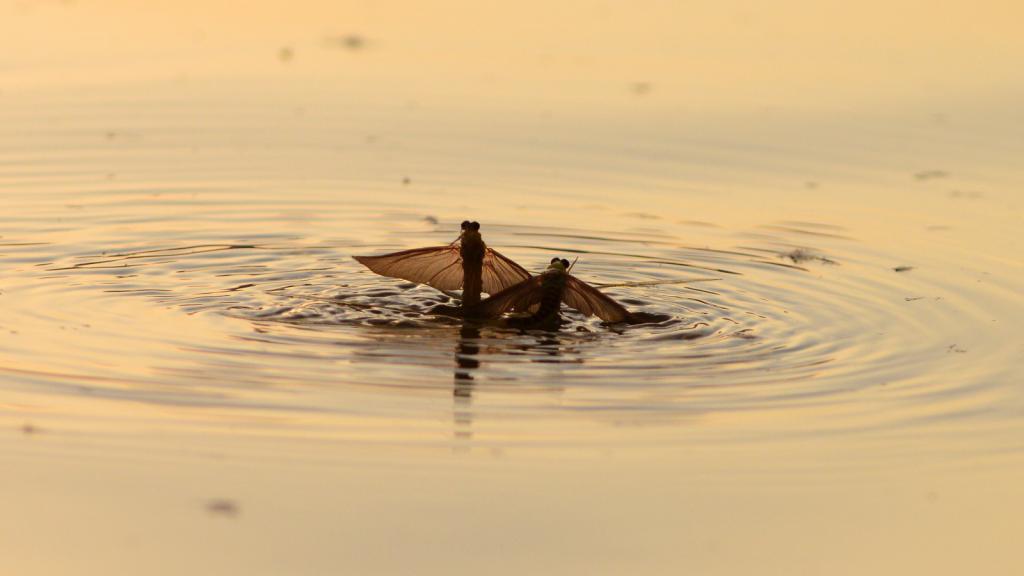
535 346
467 349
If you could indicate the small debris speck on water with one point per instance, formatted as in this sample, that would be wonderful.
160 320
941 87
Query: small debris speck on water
285 54
801 255
223 507
970 194
430 219
930 174
641 88
903 269
28 429
351 42
406 181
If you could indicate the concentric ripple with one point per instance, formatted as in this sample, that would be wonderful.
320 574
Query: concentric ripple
227 282
779 317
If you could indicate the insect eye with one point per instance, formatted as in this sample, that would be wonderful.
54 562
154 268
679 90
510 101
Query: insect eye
565 263
465 224
553 260
474 225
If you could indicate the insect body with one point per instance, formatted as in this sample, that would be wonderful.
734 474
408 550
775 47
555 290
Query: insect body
544 295
472 250
552 287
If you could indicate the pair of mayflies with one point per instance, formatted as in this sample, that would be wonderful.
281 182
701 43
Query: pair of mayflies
470 265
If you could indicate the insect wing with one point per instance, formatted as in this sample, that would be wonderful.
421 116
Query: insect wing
439 266
519 297
500 272
590 301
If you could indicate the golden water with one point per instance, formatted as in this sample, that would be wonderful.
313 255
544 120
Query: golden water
826 202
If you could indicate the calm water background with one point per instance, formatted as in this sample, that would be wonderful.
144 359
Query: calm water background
825 201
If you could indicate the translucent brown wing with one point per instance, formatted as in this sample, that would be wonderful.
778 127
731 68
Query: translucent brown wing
519 297
441 267
437 266
588 300
500 273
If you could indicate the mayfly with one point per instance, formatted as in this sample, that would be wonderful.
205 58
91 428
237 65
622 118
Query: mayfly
467 263
544 295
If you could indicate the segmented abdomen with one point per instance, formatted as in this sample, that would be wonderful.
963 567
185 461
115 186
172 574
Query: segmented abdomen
472 271
551 299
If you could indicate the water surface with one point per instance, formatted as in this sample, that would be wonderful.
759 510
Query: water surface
190 360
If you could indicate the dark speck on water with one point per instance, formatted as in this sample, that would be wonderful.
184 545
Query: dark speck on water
641 88
643 216
353 42
930 174
285 54
223 507
800 255
903 269
969 194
